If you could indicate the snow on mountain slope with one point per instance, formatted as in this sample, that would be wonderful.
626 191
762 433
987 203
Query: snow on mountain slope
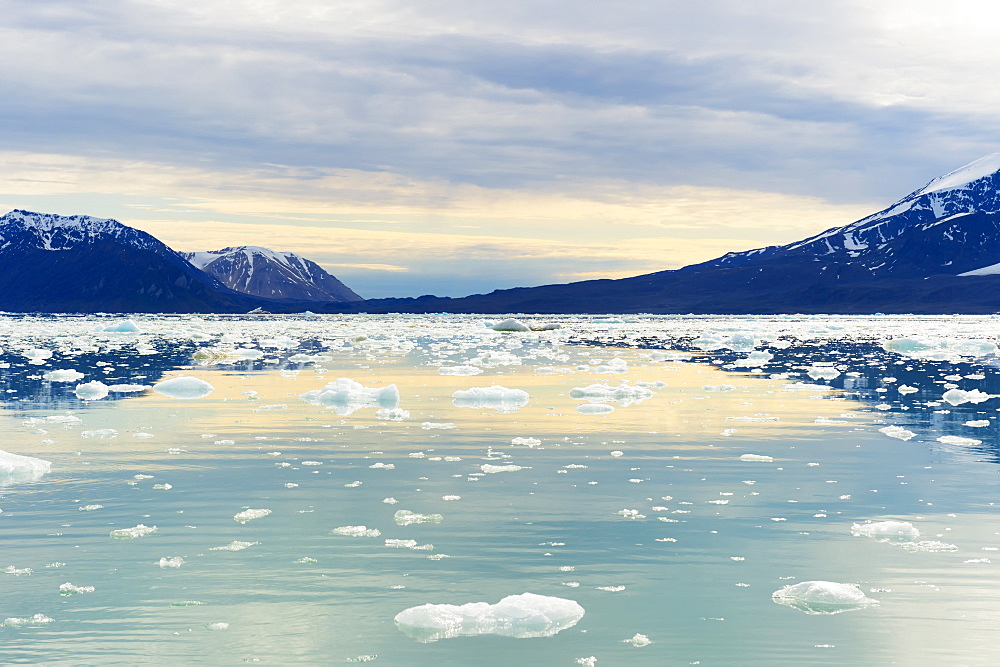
48 231
954 213
274 275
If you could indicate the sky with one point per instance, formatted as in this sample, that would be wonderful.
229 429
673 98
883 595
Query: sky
453 147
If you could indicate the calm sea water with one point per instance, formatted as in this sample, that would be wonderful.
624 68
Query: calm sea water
646 516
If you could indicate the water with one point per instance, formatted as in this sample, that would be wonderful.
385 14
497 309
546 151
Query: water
645 516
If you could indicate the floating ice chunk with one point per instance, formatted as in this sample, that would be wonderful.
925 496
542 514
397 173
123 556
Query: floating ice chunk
805 386
977 423
70 589
906 389
175 561
184 387
221 625
383 466
459 370
91 508
94 390
37 619
346 396
495 397
490 468
356 531
511 324
544 326
63 375
928 545
521 616
822 372
886 531
127 388
440 426
755 359
527 442
958 397
638 640
392 414
757 457
623 394
406 517
37 356
100 433
302 358
897 432
132 533
595 409
959 441
125 326
616 365
235 545
15 468
718 387
823 597
250 515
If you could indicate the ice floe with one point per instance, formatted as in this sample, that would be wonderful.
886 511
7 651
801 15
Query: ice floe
823 597
522 616
495 397
250 515
185 387
140 530
15 468
346 396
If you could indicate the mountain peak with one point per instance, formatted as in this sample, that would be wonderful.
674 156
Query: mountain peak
987 165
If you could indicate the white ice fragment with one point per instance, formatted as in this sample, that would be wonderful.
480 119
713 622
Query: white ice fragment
527 442
823 597
63 375
624 394
100 433
132 533
757 457
406 517
595 409
175 561
459 370
221 625
906 389
15 468
91 508
886 531
37 619
70 589
392 414
490 468
712 388
958 396
125 326
383 466
638 640
521 616
127 388
235 545
184 387
897 432
511 324
959 441
977 423
438 426
346 396
356 531
94 390
250 515
495 397
932 546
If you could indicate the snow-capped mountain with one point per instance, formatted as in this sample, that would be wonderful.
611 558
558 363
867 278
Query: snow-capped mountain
270 274
54 263
950 226
937 250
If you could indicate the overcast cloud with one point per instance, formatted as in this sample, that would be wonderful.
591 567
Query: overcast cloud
423 117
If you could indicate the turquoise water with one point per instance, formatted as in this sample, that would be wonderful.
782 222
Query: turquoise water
645 516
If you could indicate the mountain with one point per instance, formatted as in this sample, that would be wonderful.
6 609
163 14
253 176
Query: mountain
937 250
270 274
54 263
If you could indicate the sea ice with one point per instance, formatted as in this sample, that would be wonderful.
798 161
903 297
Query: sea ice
897 432
439 426
132 533
490 468
392 414
406 517
250 515
70 589
511 324
357 531
125 326
823 597
495 397
521 616
623 394
346 396
886 531
184 387
959 441
15 468
235 545
94 390
459 370
37 619
175 561
756 457
63 375
958 397
595 409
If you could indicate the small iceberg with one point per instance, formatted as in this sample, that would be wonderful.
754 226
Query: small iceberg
15 469
346 396
521 616
823 597
184 387
496 397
